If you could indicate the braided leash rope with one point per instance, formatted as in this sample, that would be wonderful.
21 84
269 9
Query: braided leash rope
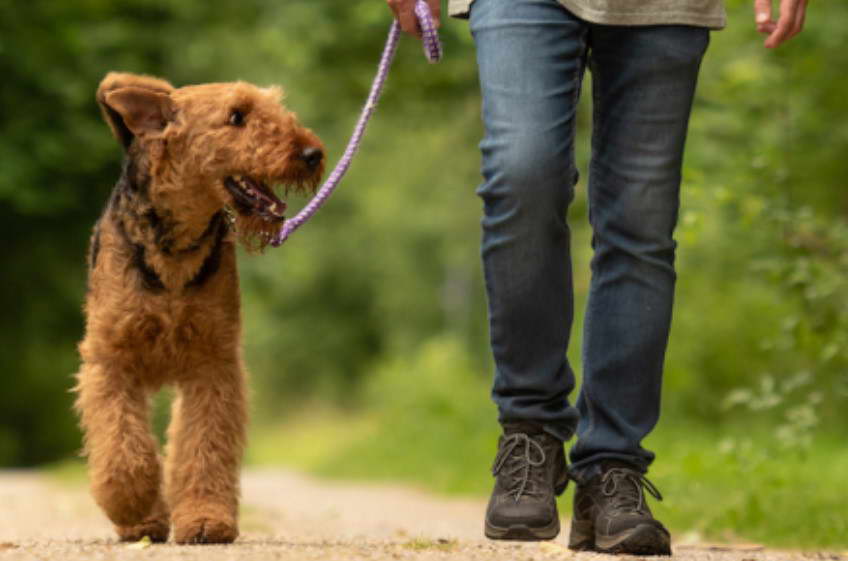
433 52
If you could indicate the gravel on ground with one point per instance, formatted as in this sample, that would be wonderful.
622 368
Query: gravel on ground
288 516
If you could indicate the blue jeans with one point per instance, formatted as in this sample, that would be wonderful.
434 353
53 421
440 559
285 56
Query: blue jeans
531 56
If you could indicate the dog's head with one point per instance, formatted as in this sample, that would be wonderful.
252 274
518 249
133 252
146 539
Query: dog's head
228 143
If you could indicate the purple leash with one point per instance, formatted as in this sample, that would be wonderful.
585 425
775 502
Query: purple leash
433 52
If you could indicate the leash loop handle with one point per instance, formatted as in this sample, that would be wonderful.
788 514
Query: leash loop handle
429 35
433 52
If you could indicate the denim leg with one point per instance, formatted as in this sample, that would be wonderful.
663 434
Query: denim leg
643 85
530 56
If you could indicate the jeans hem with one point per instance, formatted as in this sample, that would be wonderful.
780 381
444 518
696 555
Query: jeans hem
561 432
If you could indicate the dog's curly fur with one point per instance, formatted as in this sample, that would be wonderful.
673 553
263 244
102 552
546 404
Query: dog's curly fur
163 301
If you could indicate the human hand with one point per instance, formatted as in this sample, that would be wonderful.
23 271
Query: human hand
405 13
788 25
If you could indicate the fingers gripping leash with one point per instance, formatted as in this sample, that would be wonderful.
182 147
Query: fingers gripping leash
433 52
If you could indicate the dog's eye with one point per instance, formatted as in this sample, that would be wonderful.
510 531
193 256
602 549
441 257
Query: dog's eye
236 118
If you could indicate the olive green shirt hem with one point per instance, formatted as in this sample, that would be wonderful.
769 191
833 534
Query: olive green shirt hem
713 17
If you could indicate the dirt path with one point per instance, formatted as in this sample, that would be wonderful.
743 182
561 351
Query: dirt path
291 517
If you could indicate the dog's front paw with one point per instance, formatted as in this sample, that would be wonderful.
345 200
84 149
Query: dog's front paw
200 526
155 527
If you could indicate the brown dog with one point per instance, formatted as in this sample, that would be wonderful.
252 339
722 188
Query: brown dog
163 299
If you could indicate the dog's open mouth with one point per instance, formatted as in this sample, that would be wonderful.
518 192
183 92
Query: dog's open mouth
251 196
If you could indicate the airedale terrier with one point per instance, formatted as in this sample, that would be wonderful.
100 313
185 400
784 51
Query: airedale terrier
163 300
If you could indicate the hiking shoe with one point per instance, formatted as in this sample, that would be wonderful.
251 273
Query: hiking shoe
530 470
611 515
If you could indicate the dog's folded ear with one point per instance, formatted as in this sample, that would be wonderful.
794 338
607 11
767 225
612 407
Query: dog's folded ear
140 112
133 105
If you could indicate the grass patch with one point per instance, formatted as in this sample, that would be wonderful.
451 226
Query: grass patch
70 472
430 423
424 544
738 485
316 436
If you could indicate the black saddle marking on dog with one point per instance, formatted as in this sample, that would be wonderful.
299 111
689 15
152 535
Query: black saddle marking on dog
135 178
130 201
94 249
149 277
216 225
130 191
212 263
162 230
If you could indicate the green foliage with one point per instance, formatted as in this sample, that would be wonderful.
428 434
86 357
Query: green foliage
744 484
429 419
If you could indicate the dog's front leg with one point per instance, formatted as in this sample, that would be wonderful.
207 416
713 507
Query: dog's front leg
123 463
205 446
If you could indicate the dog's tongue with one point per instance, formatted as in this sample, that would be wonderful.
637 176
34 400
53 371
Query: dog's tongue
267 200
271 203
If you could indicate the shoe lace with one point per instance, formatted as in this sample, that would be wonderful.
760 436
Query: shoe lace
516 460
631 494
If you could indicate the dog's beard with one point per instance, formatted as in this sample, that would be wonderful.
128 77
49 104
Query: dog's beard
254 233
256 229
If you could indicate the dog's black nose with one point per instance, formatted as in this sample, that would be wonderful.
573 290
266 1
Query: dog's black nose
312 156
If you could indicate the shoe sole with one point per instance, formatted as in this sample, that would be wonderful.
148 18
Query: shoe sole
522 532
643 539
